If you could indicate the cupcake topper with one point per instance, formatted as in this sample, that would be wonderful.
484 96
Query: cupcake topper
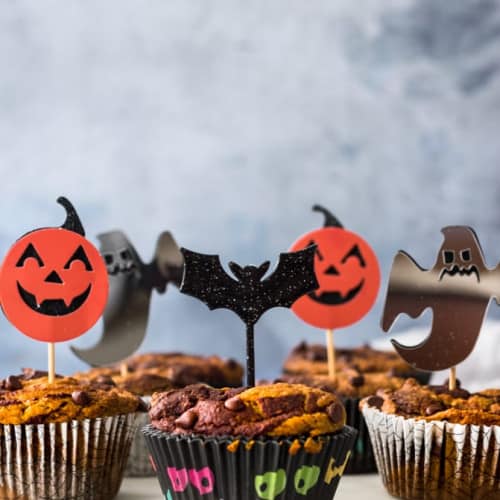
131 283
458 289
249 296
53 283
349 279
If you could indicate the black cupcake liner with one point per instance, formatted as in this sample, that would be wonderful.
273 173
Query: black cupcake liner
194 467
362 459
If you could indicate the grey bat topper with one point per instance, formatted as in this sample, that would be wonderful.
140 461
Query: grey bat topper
458 289
130 285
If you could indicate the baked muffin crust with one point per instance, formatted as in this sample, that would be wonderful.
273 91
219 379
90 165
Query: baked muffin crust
35 401
266 410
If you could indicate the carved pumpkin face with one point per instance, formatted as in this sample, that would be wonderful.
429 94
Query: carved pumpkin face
348 274
53 285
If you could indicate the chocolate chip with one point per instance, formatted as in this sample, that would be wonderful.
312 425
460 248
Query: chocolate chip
316 354
12 383
105 380
31 373
142 406
375 401
234 404
187 419
435 407
357 380
8 402
302 347
80 398
335 411
232 364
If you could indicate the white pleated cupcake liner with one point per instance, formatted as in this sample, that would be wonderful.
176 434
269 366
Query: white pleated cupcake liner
435 460
194 467
76 460
139 462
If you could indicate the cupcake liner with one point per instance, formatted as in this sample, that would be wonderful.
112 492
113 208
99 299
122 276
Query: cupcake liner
194 467
76 460
139 463
435 460
362 459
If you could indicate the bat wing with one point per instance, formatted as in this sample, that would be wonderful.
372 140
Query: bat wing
205 279
167 263
407 290
294 276
125 323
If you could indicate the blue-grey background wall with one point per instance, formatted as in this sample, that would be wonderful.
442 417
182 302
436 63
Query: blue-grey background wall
225 121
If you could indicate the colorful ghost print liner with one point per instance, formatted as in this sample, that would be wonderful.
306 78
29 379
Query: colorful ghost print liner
195 467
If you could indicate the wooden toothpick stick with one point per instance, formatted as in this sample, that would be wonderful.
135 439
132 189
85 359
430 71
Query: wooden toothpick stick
330 351
123 369
452 381
52 362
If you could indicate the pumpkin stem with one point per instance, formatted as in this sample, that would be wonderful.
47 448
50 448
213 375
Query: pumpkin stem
72 222
330 219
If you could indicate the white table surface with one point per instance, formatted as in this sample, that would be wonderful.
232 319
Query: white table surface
365 487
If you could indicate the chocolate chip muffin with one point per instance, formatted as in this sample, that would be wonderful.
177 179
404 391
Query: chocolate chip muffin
437 402
351 386
271 438
160 371
311 359
271 410
35 401
434 443
44 437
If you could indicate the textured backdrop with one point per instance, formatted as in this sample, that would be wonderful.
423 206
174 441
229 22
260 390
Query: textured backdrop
225 121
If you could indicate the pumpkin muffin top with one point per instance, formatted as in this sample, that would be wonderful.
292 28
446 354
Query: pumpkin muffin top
413 400
276 410
152 372
312 359
25 400
348 383
143 383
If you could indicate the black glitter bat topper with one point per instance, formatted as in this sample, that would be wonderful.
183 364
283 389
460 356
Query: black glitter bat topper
131 282
249 296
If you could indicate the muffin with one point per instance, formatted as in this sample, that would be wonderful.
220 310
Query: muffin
180 369
311 359
351 386
432 443
69 439
252 443
155 372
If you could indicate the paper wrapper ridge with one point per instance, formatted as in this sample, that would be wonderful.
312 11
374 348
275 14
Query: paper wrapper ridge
76 460
139 463
435 460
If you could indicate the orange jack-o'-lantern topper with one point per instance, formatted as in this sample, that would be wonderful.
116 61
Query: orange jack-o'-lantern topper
53 281
348 274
